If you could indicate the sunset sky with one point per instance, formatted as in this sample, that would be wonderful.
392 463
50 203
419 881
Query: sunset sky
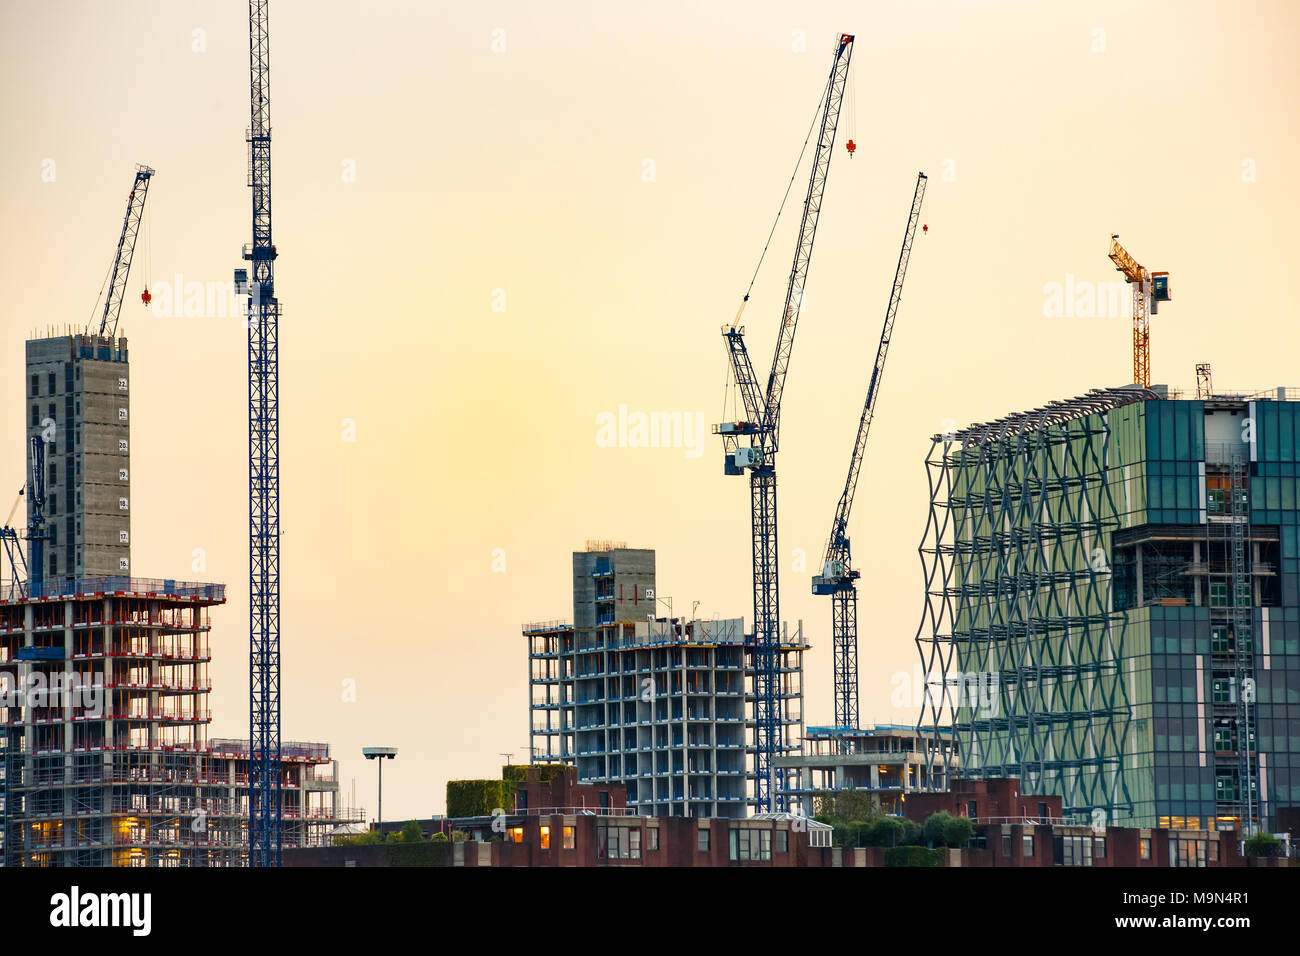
499 222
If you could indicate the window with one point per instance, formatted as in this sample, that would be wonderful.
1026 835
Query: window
545 835
819 836
1218 594
750 843
52 505
54 563
782 841
569 841
1099 851
36 415
702 840
652 838
1144 848
1027 844
619 843
54 472
36 385
1006 844
54 535
970 810
1076 850
1243 640
1042 812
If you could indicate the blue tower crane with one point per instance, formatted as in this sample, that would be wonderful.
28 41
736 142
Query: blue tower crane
838 577
760 430
266 820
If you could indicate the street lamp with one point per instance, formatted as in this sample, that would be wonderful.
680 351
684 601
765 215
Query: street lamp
381 754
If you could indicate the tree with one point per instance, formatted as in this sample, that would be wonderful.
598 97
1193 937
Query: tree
411 832
934 828
848 806
957 831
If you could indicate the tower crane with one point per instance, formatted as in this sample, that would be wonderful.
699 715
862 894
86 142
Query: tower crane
760 431
266 820
1149 289
838 577
125 252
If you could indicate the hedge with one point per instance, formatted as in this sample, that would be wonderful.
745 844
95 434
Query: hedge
478 798
419 854
913 856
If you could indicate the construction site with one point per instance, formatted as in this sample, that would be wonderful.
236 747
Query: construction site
105 758
1109 626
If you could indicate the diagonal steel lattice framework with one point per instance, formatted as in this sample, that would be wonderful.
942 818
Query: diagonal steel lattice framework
1019 642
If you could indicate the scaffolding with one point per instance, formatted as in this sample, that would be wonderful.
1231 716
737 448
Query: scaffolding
1019 604
106 758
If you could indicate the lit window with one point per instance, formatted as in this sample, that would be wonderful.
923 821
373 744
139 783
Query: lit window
569 840
517 835
1144 849
546 838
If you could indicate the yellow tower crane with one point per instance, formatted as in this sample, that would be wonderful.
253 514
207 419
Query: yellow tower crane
1149 288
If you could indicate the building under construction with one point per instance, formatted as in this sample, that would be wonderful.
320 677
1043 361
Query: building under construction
104 681
1112 604
661 705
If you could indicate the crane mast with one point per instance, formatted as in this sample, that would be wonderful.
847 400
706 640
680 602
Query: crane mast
265 794
36 519
838 577
125 251
763 411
